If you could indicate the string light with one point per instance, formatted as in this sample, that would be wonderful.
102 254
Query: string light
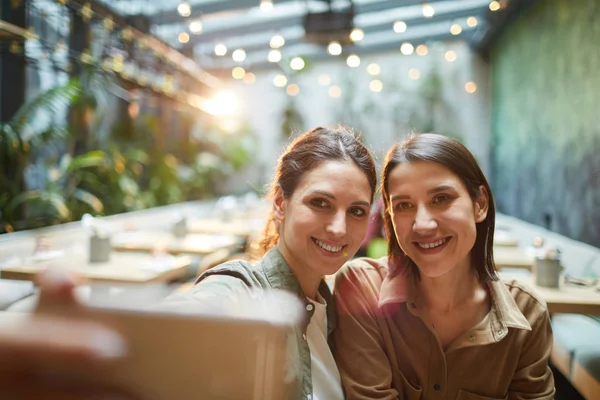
373 69
266 5
127 34
376 86
450 56
109 24
239 55
184 9
220 49
455 29
293 89
414 74
238 73
407 49
494 6
353 61
274 56
183 37
428 10
400 26
357 35
472 22
196 27
297 63
280 81
471 87
422 50
86 12
277 41
334 48
335 91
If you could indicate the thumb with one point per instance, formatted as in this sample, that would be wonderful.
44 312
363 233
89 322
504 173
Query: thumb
57 288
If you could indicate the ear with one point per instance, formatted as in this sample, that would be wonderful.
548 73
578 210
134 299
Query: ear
279 204
481 204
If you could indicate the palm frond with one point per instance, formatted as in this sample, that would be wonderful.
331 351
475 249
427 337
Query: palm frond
53 100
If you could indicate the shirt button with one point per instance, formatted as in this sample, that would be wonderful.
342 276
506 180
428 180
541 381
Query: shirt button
304 336
500 333
436 387
472 337
309 307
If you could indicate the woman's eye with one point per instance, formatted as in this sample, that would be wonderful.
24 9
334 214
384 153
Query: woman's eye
403 206
442 198
358 212
319 203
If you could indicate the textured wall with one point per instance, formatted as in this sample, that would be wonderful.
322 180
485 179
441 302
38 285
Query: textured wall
546 118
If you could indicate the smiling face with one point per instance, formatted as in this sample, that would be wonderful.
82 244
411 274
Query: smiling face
324 221
433 216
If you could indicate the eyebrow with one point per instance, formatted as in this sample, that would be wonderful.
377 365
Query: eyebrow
329 195
431 191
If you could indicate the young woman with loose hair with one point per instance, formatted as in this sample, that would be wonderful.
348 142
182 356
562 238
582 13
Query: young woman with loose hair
432 320
322 192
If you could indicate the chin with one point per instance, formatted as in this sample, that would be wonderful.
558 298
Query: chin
433 271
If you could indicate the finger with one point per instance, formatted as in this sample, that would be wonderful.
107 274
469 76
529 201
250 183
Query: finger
57 288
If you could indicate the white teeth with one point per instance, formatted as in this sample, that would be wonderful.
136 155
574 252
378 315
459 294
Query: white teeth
333 249
432 245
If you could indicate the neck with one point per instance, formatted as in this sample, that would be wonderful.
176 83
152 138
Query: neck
451 290
307 278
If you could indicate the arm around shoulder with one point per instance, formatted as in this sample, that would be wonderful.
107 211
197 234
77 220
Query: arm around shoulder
214 291
359 352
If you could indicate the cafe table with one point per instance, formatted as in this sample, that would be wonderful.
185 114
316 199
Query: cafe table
239 226
159 241
512 257
567 298
120 268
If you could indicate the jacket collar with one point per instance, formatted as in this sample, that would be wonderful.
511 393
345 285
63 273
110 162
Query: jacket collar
281 277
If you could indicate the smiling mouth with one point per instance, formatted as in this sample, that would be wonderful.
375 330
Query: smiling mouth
326 247
433 245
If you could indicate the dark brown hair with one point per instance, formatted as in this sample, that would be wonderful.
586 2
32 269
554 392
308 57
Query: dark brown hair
307 152
457 158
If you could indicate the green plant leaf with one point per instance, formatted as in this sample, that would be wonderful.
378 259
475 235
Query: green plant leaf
58 203
53 100
91 159
86 197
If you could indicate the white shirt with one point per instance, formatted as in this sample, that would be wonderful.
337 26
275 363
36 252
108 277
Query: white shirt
325 374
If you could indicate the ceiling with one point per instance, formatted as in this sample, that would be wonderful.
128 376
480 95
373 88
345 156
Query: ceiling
245 24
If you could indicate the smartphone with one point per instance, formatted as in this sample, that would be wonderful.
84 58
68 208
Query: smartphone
194 356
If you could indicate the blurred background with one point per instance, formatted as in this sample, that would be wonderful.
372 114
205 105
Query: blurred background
110 106
136 136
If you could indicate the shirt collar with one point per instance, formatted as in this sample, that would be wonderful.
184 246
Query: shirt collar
281 277
505 306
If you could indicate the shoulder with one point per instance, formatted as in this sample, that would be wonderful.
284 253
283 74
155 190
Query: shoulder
361 274
531 305
236 272
362 268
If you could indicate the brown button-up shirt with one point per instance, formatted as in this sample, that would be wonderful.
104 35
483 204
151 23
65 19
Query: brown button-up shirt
386 349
